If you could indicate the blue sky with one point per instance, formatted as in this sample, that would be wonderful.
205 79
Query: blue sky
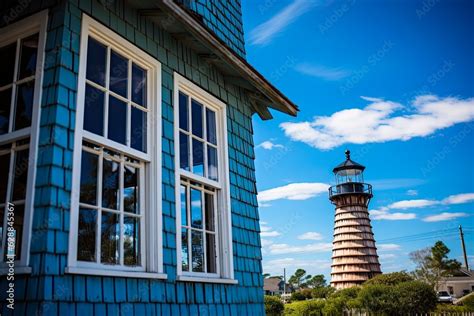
392 81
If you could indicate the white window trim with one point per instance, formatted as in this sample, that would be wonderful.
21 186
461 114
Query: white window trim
153 250
37 23
224 223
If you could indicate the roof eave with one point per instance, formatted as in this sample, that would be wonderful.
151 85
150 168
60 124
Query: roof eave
262 93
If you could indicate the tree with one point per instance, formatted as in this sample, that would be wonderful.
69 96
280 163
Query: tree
433 264
379 298
273 306
415 297
316 281
266 275
299 278
393 278
322 291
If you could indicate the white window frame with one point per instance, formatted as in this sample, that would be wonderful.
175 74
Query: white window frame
151 223
37 23
224 260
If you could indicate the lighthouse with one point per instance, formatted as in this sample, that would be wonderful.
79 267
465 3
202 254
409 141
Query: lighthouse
354 255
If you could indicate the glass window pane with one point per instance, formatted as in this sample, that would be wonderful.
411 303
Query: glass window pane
117 120
130 186
184 202
212 163
29 50
5 105
86 235
20 175
4 168
131 241
110 238
88 191
184 250
110 184
138 129
211 253
7 56
94 110
196 109
196 208
118 74
184 151
197 251
183 111
139 85
96 56
209 202
24 105
198 157
211 126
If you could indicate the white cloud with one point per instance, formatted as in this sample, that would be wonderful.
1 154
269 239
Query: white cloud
384 214
276 249
382 121
293 191
445 216
406 204
387 256
266 242
388 247
264 33
310 236
412 192
322 72
459 198
268 145
266 231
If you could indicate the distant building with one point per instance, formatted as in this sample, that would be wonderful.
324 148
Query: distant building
458 285
354 255
275 286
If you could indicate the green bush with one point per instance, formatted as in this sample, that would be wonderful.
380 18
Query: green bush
273 306
393 278
415 297
451 309
468 302
335 306
322 291
297 296
351 292
305 308
379 299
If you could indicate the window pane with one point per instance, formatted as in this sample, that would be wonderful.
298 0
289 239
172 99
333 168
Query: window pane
184 201
198 157
211 126
86 235
4 168
96 55
5 104
20 175
110 184
117 120
209 211
139 85
184 151
88 193
184 250
196 208
110 238
138 129
7 56
118 74
29 50
197 251
211 253
24 105
183 111
196 118
94 110
212 163
131 241
130 187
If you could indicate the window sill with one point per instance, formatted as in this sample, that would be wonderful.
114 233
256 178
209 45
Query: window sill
117 273
18 270
186 278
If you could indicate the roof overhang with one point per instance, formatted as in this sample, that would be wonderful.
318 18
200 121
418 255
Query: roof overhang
188 27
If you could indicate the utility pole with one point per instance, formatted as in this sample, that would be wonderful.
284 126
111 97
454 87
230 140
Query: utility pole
284 284
463 248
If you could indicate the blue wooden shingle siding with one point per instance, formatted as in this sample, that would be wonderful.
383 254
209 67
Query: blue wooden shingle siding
48 290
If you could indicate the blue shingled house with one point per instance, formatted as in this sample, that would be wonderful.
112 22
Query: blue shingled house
127 181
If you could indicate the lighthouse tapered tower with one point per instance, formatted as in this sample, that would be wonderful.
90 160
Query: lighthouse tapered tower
354 255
